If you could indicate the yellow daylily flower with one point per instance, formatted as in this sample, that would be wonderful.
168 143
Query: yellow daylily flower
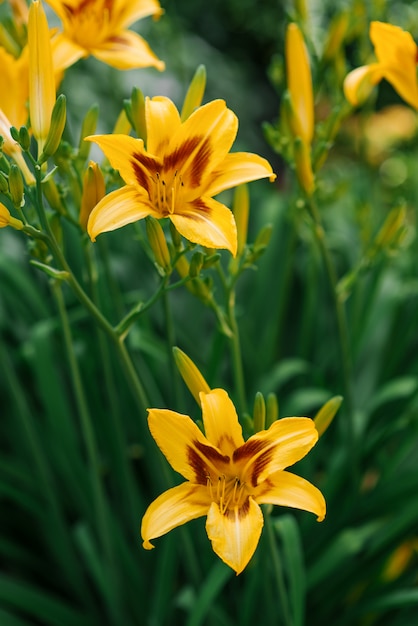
99 28
11 148
397 54
14 89
176 175
226 478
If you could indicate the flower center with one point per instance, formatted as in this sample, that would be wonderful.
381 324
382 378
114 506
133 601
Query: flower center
228 492
89 22
166 194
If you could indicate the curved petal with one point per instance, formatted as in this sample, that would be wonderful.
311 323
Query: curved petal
127 51
220 420
117 209
403 79
235 169
172 508
208 223
286 489
359 83
286 441
185 446
393 45
202 142
129 11
65 52
235 534
127 155
162 120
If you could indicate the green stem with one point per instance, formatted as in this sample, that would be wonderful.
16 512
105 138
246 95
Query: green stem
236 353
274 558
171 341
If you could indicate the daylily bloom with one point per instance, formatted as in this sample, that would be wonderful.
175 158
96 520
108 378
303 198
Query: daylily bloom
14 89
397 55
226 478
99 28
182 167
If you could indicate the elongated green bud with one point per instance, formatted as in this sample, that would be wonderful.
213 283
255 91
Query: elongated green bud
326 414
259 412
272 409
137 112
190 374
241 211
88 128
4 185
194 95
24 138
58 119
158 244
16 185
93 191
196 264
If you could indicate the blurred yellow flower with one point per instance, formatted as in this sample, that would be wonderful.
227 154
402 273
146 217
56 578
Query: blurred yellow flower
99 28
299 84
7 220
14 88
11 148
226 478
182 167
396 53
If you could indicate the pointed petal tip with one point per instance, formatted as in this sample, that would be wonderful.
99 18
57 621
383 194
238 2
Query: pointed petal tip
147 545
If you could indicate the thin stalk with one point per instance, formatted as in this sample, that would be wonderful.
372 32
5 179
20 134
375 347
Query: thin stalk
274 557
90 444
236 353
170 342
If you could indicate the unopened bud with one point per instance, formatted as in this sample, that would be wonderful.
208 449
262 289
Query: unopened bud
241 210
88 128
93 191
58 119
122 125
194 95
4 185
272 409
24 138
299 84
137 113
16 185
158 243
190 374
259 412
196 264
326 414
263 238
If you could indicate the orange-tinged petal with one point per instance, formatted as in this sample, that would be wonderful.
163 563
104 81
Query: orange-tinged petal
220 420
235 534
127 50
184 445
299 83
238 168
359 83
117 209
172 508
208 223
287 489
162 121
202 142
286 441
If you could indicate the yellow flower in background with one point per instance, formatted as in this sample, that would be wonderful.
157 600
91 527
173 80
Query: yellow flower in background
182 167
396 53
14 88
41 73
226 478
99 28
7 220
12 149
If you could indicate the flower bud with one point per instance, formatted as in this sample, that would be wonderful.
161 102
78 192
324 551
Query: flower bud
4 185
137 112
16 185
7 220
326 414
88 127
190 374
194 95
259 412
196 264
158 243
58 119
241 210
93 191
24 138
299 84
272 409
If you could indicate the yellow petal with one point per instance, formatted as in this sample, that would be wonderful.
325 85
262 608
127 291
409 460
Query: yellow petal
184 445
162 121
220 420
129 11
286 441
392 45
299 83
117 209
172 508
208 223
235 534
65 52
359 83
286 489
127 155
14 87
202 142
127 50
238 168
